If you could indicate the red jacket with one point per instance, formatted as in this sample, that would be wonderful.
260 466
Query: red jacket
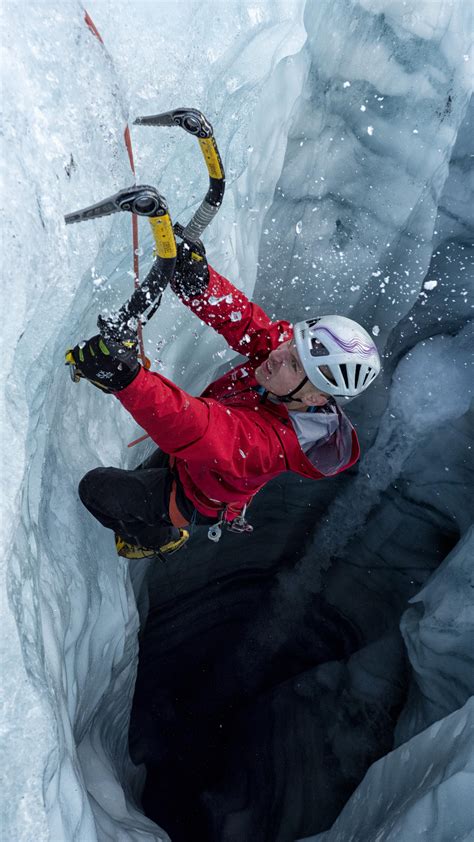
227 443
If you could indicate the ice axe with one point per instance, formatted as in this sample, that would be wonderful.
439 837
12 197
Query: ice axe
144 200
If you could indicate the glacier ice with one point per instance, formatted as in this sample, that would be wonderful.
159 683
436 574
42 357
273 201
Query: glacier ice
313 201
438 629
422 790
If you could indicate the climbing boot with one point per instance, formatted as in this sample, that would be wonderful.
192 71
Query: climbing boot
127 550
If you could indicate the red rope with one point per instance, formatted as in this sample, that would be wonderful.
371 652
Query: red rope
92 26
137 441
136 267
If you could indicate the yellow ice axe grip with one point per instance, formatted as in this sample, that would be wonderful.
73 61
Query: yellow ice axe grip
69 360
211 156
165 243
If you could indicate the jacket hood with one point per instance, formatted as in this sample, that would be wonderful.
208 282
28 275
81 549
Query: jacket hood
332 452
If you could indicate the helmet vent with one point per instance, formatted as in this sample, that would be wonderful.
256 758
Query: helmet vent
343 370
357 375
318 349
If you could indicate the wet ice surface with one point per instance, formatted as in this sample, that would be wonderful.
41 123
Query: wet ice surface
314 198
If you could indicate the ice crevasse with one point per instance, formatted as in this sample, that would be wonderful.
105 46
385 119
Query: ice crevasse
371 99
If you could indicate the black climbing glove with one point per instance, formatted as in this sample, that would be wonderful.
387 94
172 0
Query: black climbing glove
108 364
191 275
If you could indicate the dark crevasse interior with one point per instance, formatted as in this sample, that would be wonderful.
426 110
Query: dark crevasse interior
251 711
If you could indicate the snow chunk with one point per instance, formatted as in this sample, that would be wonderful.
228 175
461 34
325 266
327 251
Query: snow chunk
213 300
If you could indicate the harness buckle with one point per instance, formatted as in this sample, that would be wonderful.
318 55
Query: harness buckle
239 524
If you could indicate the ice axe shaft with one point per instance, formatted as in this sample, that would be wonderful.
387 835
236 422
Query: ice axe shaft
144 201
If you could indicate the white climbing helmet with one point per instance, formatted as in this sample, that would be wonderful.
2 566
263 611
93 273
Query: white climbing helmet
344 348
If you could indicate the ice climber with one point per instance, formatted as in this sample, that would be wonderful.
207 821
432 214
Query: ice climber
280 410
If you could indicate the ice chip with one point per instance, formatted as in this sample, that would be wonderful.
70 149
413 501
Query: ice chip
235 316
213 299
430 284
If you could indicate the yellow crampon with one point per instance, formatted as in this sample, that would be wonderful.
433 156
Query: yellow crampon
127 550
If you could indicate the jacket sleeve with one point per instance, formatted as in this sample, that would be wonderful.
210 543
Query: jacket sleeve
201 429
243 324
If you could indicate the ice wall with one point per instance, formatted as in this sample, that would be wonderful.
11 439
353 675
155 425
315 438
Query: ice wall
367 157
438 629
420 791
245 70
422 788
52 652
274 84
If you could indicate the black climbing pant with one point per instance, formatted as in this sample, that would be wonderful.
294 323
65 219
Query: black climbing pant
134 503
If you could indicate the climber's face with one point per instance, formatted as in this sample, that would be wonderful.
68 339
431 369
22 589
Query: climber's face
282 372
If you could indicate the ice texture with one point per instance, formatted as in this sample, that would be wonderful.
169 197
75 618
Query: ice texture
438 629
422 790
365 185
292 89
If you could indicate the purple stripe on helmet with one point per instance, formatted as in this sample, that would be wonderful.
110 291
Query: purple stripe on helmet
354 346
